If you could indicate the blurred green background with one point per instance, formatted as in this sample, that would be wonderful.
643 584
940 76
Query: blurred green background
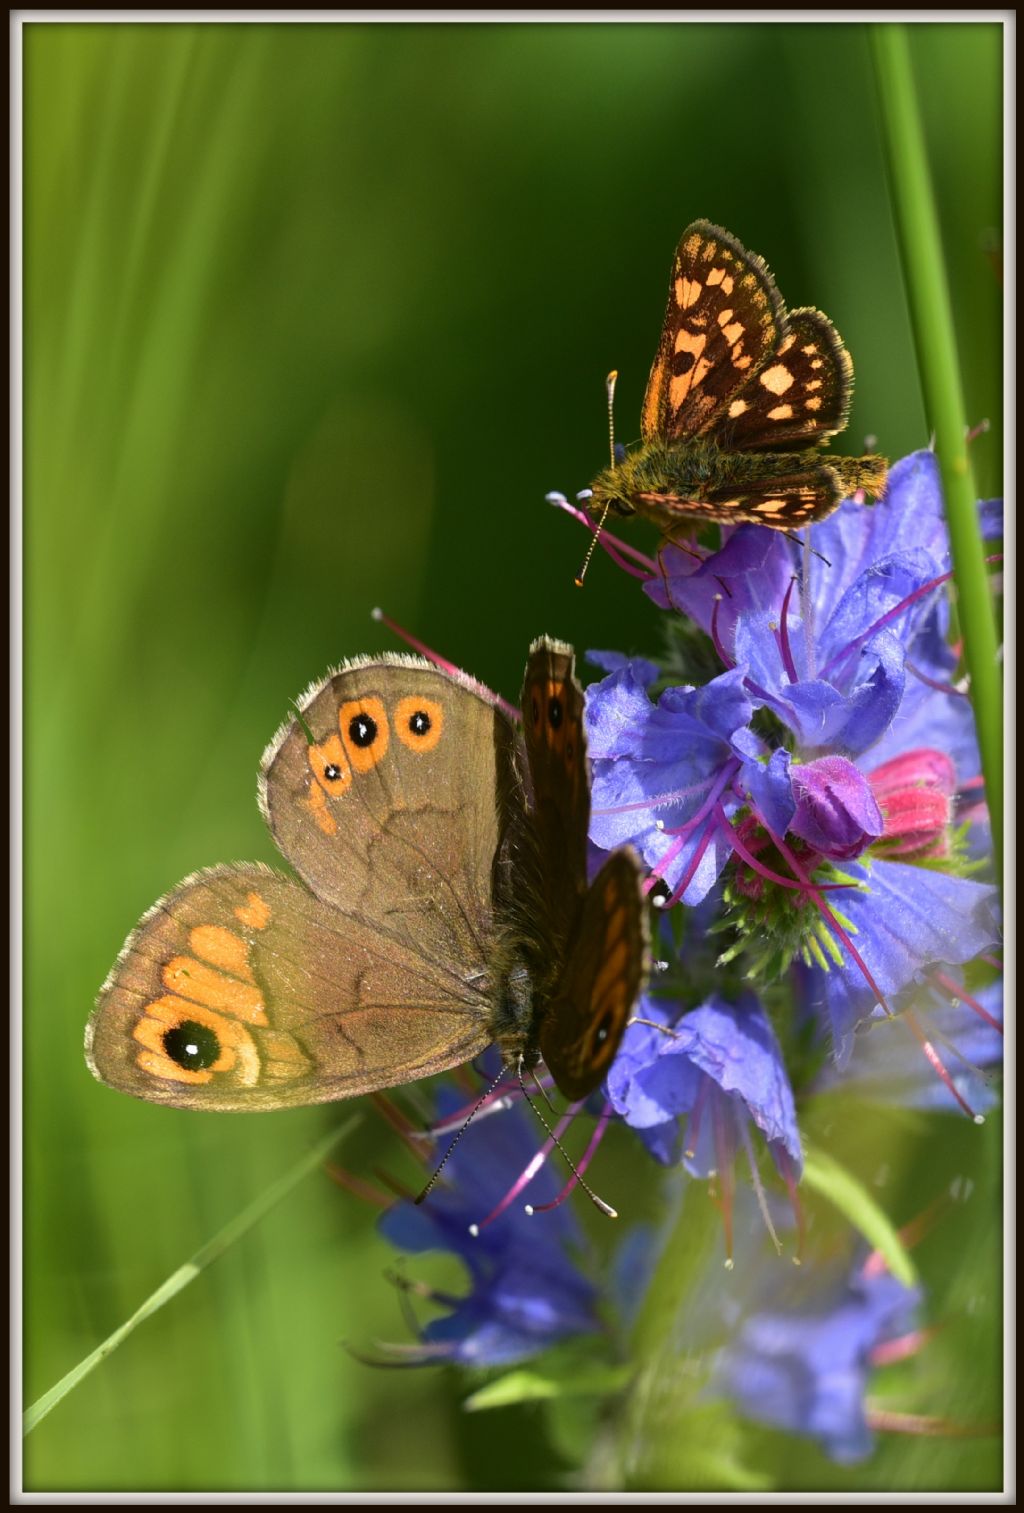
314 317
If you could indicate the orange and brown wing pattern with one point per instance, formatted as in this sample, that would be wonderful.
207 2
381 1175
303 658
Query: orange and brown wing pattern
583 1026
800 397
390 794
241 991
724 318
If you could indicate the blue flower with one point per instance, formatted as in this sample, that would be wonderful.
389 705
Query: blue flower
526 1291
803 1364
887 1066
719 1065
660 769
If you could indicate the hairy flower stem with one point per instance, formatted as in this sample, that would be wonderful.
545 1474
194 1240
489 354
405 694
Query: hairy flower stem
934 337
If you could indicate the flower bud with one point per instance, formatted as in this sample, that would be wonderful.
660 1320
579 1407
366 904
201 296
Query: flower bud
836 811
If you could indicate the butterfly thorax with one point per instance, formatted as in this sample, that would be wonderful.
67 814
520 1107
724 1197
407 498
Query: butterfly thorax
694 470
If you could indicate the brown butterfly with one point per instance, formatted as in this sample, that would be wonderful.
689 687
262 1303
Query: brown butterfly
442 903
742 394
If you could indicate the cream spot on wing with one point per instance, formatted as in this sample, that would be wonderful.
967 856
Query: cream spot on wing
719 276
812 404
737 408
786 343
810 349
814 383
690 341
734 332
817 363
776 379
771 506
781 412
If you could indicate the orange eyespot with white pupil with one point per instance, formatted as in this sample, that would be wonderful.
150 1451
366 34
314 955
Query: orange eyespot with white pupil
365 732
329 765
419 723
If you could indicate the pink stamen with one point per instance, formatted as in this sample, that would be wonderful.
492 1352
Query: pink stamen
688 876
815 891
922 677
785 649
751 860
901 1349
432 656
911 1234
892 614
887 1421
951 986
785 1167
616 548
531 1169
358 1186
938 1066
726 1177
582 1163
716 638
693 1122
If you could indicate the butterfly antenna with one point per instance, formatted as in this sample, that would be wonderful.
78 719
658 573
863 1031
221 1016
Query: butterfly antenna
605 1208
466 1123
610 382
805 542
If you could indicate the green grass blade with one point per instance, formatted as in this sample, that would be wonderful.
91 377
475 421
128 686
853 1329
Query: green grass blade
934 337
180 1279
825 1176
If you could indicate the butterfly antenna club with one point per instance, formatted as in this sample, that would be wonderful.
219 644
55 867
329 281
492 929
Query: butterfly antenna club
599 1203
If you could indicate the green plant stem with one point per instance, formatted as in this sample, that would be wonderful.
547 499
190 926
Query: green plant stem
935 340
669 1437
180 1279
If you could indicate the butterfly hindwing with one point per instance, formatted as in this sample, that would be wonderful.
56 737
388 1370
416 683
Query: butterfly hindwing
600 981
788 501
724 318
242 991
800 396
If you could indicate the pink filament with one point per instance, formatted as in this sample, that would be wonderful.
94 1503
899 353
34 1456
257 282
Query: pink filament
716 638
751 860
582 1163
532 1167
432 656
616 548
786 651
950 986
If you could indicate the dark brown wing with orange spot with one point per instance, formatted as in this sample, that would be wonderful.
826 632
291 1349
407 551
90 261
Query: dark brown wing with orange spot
800 397
724 319
241 991
581 1031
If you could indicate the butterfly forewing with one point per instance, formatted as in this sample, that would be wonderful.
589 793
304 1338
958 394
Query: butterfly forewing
241 991
600 981
391 797
724 318
799 397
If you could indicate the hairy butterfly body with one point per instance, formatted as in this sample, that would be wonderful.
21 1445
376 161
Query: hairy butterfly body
441 903
741 396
